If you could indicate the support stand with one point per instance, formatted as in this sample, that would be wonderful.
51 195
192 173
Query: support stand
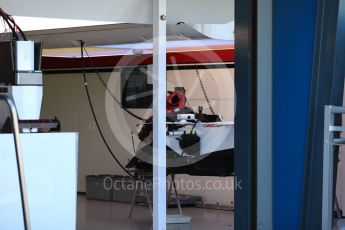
171 219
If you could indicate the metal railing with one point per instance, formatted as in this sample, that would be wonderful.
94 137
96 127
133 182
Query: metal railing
19 159
328 162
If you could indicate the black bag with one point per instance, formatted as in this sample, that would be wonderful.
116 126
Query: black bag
190 144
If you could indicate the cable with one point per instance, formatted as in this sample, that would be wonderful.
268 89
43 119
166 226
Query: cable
94 114
133 142
109 91
194 126
17 27
14 34
8 19
204 91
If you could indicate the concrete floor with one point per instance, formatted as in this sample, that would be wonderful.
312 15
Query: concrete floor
101 215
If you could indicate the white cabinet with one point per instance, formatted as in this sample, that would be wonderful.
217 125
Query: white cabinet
50 166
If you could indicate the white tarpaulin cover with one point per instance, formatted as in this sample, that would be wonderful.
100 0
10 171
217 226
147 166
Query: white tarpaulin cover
109 35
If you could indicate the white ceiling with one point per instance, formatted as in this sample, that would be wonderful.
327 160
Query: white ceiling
130 11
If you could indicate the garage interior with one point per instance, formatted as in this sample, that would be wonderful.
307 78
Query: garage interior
177 114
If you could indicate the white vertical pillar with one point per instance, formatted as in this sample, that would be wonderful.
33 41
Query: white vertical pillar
264 117
159 115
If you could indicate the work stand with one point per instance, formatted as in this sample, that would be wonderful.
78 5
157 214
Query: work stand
171 219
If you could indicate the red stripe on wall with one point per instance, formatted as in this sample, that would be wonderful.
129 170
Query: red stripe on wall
190 57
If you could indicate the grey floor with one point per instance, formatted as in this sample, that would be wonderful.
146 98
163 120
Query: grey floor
101 215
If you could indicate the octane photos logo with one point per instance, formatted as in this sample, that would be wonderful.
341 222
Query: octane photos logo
125 184
218 84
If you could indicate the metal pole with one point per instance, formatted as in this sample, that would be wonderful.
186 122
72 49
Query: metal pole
176 195
327 178
19 159
159 115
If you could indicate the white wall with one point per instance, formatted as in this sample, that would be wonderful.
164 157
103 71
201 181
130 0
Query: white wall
64 97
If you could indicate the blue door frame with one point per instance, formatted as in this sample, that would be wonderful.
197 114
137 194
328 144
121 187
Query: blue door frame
293 49
308 72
